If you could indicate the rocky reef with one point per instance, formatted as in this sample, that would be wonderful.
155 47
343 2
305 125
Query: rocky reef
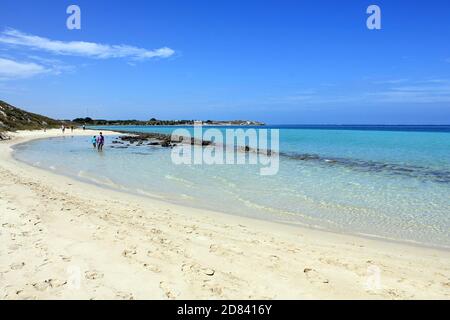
169 141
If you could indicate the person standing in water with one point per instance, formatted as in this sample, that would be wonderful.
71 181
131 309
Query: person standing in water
94 142
100 142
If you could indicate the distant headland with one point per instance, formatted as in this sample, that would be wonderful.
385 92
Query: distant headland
13 119
156 122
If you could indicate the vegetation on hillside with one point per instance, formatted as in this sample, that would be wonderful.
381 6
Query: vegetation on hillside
12 119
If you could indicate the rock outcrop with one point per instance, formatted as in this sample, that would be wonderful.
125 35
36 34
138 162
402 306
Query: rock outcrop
3 136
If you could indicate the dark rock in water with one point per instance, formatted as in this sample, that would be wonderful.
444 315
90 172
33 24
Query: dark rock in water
165 144
303 157
196 142
167 140
264 152
392 169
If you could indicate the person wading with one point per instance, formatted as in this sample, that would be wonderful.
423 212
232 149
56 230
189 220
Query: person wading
100 142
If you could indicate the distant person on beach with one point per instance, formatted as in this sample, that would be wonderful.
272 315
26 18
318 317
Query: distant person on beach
100 142
71 128
63 128
84 127
94 142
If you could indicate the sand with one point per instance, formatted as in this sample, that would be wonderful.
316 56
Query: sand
64 239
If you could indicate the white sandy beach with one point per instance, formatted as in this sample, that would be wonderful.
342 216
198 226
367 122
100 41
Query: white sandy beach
65 239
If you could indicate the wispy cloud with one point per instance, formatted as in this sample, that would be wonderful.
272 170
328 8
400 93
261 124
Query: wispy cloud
429 91
81 48
6 88
306 95
10 69
56 66
397 91
391 81
312 97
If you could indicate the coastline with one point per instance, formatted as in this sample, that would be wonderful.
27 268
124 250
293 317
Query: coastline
57 231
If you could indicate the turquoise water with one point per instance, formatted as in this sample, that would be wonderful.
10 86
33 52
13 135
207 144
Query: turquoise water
391 183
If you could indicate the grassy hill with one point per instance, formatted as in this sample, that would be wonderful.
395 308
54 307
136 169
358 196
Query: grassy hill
12 119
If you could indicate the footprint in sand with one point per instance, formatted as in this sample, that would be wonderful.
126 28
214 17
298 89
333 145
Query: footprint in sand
191 229
169 292
14 247
121 234
293 250
65 258
155 231
225 251
97 236
49 283
197 269
93 275
274 258
315 277
124 295
152 267
17 266
129 252
398 294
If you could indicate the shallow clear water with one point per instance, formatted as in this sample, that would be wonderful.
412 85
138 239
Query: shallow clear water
390 184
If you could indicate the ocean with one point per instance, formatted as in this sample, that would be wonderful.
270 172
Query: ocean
389 182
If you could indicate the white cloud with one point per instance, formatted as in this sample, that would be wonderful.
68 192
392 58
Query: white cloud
10 69
81 48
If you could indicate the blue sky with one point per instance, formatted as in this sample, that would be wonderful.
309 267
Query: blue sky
275 61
